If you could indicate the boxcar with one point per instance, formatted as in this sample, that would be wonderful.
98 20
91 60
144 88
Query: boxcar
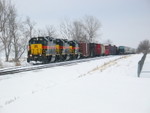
107 49
84 49
98 49
113 50
110 49
92 49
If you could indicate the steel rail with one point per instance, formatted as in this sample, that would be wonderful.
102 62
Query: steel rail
19 69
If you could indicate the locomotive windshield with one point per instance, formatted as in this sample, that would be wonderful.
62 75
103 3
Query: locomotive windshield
38 41
121 47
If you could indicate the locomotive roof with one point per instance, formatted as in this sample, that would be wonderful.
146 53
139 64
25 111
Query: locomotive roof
46 38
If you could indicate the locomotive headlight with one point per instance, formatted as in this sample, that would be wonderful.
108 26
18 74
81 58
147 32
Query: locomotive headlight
30 55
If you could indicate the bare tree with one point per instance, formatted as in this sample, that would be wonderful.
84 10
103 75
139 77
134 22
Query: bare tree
109 41
29 27
82 30
65 29
20 48
144 46
78 32
13 34
3 14
41 32
51 31
73 30
5 30
91 26
16 34
26 30
13 28
19 40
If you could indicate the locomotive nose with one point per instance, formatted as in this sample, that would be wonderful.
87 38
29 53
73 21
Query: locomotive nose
36 49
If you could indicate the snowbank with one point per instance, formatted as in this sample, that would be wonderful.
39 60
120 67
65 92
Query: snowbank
102 86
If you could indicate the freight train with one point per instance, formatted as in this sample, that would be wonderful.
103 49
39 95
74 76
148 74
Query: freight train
48 49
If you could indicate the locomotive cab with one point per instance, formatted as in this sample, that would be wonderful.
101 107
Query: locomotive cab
42 49
74 50
35 48
62 49
36 44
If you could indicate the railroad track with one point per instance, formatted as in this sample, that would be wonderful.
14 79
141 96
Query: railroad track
19 69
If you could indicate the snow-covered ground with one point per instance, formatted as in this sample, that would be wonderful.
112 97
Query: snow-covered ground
4 64
146 67
107 85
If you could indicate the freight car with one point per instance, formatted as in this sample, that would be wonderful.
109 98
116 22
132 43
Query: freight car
98 49
107 50
102 50
48 49
113 50
125 50
84 49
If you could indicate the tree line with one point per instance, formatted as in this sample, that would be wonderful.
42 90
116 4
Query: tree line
144 46
15 32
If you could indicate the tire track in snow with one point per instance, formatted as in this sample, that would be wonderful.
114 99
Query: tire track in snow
7 101
105 66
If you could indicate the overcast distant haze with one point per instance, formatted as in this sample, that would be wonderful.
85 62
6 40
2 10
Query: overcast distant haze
124 22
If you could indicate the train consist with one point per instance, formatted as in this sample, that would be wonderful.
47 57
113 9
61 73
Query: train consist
48 49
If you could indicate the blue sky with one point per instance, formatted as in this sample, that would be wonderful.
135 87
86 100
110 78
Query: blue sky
124 22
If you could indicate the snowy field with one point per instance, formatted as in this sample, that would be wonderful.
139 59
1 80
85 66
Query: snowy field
107 85
4 64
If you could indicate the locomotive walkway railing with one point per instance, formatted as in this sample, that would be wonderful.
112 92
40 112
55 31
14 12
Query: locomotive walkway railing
140 64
